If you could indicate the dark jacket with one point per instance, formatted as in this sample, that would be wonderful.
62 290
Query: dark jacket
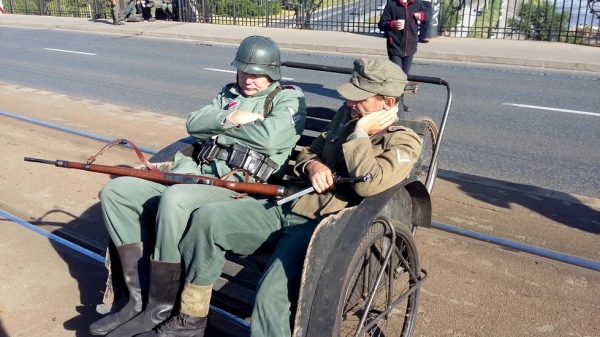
402 42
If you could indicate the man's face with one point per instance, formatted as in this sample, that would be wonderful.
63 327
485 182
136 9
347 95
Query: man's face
364 107
251 84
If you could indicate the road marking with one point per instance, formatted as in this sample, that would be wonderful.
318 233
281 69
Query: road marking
554 109
234 72
70 51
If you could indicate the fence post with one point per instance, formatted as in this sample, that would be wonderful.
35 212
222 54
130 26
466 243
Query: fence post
434 21
266 13
234 14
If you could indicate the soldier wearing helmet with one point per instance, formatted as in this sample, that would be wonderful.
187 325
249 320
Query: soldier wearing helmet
247 132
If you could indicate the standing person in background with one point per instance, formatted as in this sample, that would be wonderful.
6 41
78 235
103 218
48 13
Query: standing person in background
114 14
400 20
425 22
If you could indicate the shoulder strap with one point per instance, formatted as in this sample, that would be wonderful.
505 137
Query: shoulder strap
379 135
392 128
269 100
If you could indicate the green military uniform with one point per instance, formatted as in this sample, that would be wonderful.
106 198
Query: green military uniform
139 213
252 227
130 9
131 205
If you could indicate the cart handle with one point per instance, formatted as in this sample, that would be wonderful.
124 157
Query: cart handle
344 70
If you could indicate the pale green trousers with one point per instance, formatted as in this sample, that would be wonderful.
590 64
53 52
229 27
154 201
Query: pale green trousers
197 224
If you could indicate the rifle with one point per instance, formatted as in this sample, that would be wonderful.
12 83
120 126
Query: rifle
169 177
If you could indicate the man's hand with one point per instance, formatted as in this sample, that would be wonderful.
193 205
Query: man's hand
377 121
320 175
242 117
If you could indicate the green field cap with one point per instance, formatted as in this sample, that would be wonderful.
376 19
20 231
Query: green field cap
372 77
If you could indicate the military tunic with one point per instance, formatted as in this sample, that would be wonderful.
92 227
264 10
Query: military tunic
388 159
133 207
273 137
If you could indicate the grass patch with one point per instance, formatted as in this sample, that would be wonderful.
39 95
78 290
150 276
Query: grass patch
483 26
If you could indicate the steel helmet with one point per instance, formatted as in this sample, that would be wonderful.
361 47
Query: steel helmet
259 55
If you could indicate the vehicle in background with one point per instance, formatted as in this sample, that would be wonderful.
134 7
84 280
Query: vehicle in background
357 11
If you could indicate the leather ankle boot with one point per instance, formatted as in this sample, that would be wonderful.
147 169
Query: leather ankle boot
181 325
165 282
136 272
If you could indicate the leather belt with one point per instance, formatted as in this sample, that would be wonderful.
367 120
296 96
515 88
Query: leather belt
255 163
223 154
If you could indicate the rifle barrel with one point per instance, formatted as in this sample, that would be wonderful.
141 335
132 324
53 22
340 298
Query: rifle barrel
43 161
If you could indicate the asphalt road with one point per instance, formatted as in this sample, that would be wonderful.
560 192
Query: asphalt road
553 149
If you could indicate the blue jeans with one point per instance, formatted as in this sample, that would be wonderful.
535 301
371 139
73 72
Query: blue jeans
423 26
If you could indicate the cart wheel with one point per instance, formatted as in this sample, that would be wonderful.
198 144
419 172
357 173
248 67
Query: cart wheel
429 144
362 276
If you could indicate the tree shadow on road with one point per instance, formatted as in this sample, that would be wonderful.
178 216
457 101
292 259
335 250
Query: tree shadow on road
557 206
2 331
89 232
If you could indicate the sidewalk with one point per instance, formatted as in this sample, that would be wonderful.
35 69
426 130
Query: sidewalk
508 52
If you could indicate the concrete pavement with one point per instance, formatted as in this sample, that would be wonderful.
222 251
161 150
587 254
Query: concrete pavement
507 52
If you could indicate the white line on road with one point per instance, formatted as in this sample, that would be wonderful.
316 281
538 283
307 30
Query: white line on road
233 72
70 51
554 109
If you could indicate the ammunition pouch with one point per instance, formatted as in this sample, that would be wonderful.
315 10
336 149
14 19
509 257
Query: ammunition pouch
256 164
208 150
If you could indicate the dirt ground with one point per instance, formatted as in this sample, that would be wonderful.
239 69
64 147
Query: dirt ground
473 289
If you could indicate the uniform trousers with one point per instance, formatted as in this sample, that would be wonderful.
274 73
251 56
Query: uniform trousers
197 224
138 210
245 227
131 9
162 5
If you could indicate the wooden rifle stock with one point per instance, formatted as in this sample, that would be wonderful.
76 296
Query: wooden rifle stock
168 177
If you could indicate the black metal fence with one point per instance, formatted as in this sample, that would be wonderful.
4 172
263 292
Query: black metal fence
571 21
341 15
67 8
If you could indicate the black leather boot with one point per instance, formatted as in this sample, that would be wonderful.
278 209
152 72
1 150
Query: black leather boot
181 325
136 270
165 282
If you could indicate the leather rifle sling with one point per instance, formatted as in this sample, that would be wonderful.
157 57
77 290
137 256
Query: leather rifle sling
123 142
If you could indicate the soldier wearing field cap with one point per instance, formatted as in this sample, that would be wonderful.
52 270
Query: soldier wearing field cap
361 140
